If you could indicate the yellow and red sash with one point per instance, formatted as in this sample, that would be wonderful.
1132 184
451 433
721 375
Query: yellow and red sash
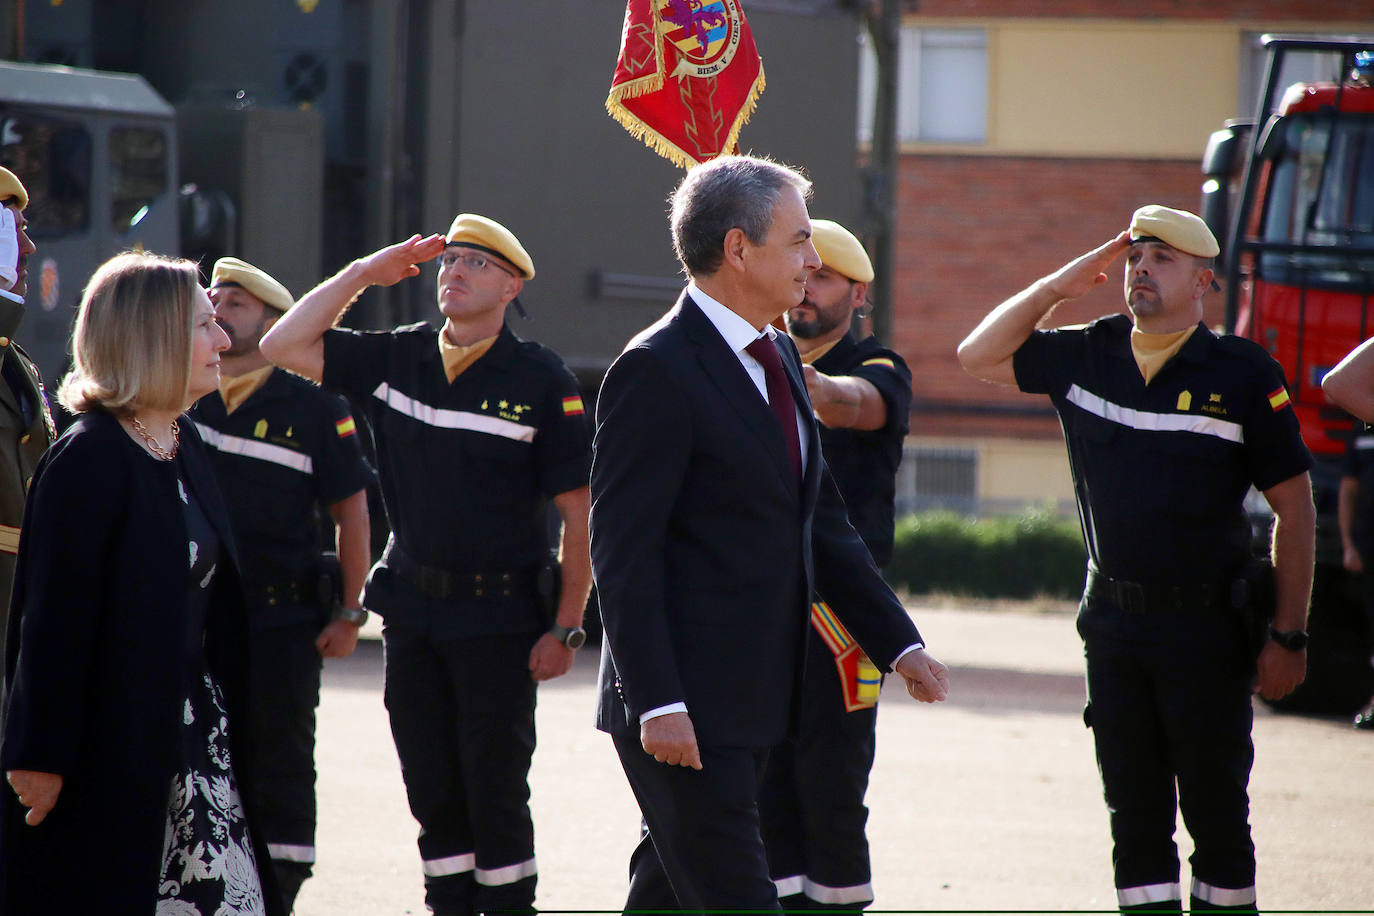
860 679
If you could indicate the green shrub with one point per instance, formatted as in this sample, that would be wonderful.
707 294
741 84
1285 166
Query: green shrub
1023 556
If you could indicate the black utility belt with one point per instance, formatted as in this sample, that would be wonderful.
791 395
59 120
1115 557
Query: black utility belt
304 590
1140 598
442 584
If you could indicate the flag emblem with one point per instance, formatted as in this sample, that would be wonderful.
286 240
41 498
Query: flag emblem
572 407
345 427
1278 398
687 78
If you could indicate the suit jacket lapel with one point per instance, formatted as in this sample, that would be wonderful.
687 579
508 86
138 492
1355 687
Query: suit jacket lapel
811 474
726 372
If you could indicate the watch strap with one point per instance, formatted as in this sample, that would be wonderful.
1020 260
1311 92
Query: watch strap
354 615
1292 640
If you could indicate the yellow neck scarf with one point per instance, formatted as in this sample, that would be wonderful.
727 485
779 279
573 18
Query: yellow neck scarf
457 358
235 389
813 355
1152 351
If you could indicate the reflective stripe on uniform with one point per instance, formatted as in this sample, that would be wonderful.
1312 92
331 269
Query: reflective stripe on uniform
452 419
9 539
1155 422
1149 893
285 852
823 893
1364 442
450 865
857 893
253 448
508 874
1223 896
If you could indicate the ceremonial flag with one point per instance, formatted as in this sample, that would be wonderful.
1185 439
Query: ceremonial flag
688 77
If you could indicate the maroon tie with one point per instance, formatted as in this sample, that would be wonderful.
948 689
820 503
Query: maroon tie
779 396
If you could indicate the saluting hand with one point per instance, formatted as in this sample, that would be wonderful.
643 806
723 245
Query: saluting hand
37 791
671 739
395 263
926 679
1086 271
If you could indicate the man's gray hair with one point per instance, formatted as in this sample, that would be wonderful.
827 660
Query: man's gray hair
729 192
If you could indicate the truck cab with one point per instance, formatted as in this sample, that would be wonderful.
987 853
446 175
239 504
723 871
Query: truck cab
97 154
1290 197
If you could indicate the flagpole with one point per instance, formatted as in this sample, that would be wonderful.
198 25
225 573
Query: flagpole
880 175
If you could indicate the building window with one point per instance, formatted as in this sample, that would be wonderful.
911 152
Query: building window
937 478
942 86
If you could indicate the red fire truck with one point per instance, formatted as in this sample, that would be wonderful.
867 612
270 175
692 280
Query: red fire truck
1290 195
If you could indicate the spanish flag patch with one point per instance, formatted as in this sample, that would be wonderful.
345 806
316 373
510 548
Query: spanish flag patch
345 427
1278 398
572 407
878 361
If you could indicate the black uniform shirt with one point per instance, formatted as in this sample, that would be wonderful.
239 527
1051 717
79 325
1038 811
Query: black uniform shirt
467 468
1359 463
1161 471
288 449
864 462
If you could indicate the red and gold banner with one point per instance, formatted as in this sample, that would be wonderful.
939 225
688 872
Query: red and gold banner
688 77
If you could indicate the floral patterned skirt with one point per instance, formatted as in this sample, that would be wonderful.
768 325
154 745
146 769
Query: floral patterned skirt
208 868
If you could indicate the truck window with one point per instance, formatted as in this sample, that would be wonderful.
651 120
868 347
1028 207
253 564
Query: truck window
52 156
1322 193
138 165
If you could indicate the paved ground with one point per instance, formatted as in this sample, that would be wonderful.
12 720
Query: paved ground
989 802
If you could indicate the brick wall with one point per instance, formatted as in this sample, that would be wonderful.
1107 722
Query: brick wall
974 230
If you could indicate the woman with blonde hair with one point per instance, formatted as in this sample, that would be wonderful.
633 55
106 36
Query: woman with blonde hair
126 662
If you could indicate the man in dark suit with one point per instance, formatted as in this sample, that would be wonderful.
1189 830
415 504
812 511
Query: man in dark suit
713 518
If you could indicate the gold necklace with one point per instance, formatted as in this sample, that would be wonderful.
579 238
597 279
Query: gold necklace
166 454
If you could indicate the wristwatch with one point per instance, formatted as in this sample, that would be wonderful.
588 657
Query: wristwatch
572 637
1292 640
354 615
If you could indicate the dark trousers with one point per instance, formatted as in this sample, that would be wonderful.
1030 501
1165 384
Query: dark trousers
812 799
1169 698
462 716
702 849
284 691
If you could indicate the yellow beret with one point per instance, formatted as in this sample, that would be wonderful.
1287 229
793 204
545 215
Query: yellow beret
840 251
490 236
1175 228
11 186
232 271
